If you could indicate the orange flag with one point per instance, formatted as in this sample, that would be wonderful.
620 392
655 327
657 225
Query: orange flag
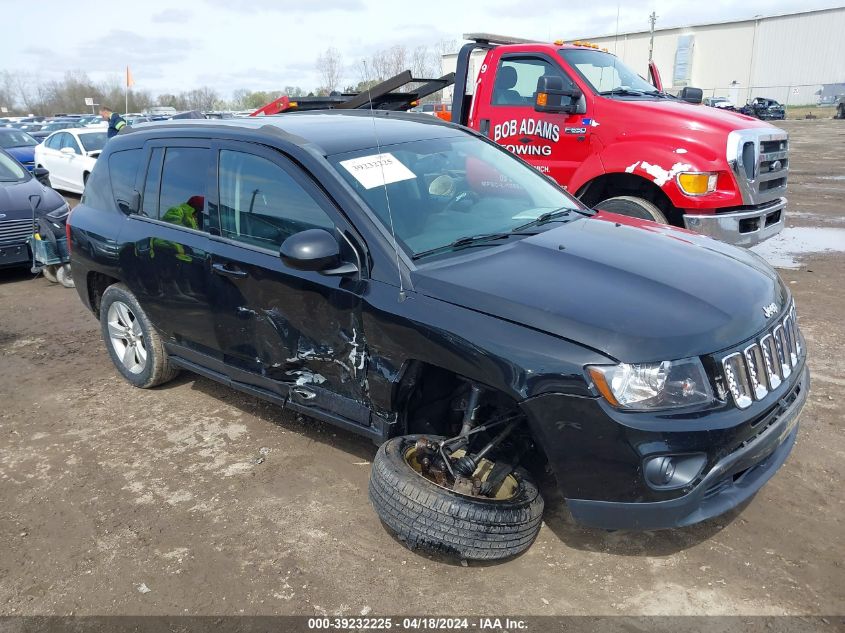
129 81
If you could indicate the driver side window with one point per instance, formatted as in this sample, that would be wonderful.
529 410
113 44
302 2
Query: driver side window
69 141
55 141
261 204
516 80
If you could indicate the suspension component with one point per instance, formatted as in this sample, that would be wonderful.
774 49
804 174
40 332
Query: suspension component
471 409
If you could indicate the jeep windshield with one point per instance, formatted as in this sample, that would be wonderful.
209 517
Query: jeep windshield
450 193
606 74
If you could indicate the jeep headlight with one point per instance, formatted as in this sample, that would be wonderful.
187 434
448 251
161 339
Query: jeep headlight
665 385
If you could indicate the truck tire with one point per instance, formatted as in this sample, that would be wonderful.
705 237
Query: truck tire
633 207
429 517
135 347
841 111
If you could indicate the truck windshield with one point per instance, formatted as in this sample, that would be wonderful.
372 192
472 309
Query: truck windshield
605 73
447 190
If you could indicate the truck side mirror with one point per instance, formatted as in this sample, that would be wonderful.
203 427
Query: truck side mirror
691 95
551 96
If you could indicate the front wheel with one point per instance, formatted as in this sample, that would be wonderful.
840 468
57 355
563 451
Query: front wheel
428 516
135 347
632 207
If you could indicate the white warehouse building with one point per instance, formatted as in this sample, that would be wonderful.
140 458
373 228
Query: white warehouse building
796 58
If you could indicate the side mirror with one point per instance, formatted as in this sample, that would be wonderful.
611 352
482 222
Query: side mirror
132 205
67 150
551 96
41 175
313 249
691 95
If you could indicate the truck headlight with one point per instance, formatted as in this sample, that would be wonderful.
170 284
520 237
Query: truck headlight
695 183
665 385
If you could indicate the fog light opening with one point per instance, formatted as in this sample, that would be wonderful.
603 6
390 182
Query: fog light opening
669 472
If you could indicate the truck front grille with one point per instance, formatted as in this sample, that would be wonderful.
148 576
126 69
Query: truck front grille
15 230
759 158
765 364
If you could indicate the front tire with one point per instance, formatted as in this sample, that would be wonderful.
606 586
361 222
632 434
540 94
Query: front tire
430 517
632 207
135 347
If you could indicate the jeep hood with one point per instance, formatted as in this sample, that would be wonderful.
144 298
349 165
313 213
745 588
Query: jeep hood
634 290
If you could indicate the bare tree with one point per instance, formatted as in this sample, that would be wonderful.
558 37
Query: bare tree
330 66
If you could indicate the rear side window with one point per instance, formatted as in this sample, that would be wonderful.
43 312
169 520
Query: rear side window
184 176
55 141
123 168
152 184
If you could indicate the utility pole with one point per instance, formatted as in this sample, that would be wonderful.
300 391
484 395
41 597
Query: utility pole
651 20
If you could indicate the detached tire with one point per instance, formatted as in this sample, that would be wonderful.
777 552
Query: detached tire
429 517
49 273
135 347
64 276
632 207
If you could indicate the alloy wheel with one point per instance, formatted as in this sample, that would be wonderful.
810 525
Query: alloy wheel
127 337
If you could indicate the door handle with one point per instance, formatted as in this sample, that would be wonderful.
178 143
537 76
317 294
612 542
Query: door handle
221 269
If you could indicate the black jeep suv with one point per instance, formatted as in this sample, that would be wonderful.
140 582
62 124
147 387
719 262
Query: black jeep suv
408 280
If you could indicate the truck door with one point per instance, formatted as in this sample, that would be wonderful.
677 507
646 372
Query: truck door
554 143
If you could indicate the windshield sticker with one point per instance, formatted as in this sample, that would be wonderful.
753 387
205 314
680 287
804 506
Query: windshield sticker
377 170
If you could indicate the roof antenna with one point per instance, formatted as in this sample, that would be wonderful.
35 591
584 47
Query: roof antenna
402 295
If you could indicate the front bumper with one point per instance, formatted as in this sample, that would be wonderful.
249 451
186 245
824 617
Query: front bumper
14 254
731 481
743 228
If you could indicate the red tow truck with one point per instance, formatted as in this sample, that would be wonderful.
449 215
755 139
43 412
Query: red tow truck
614 139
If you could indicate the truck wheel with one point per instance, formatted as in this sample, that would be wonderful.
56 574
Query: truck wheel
430 517
633 207
135 347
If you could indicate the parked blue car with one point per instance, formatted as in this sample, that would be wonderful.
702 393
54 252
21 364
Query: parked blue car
20 145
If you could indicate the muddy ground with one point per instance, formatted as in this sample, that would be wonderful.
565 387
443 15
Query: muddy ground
115 500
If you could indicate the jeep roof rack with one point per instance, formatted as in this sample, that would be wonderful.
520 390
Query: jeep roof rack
384 96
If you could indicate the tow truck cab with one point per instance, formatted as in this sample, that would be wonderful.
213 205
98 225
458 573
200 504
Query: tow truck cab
619 143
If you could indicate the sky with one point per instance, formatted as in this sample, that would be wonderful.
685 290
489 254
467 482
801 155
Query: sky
265 45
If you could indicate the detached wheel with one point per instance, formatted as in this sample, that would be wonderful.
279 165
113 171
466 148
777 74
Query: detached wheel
49 273
428 516
135 347
64 276
632 207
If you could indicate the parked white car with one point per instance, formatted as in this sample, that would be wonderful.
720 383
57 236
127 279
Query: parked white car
70 155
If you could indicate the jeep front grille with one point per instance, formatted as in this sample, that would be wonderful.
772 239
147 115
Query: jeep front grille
762 366
15 230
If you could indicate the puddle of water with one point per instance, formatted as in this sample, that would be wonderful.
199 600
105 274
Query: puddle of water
787 248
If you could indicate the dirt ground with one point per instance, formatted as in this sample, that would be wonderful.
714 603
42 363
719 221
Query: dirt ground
115 500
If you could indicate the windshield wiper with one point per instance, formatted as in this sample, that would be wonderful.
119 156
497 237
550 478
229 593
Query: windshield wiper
542 219
622 91
468 240
659 93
